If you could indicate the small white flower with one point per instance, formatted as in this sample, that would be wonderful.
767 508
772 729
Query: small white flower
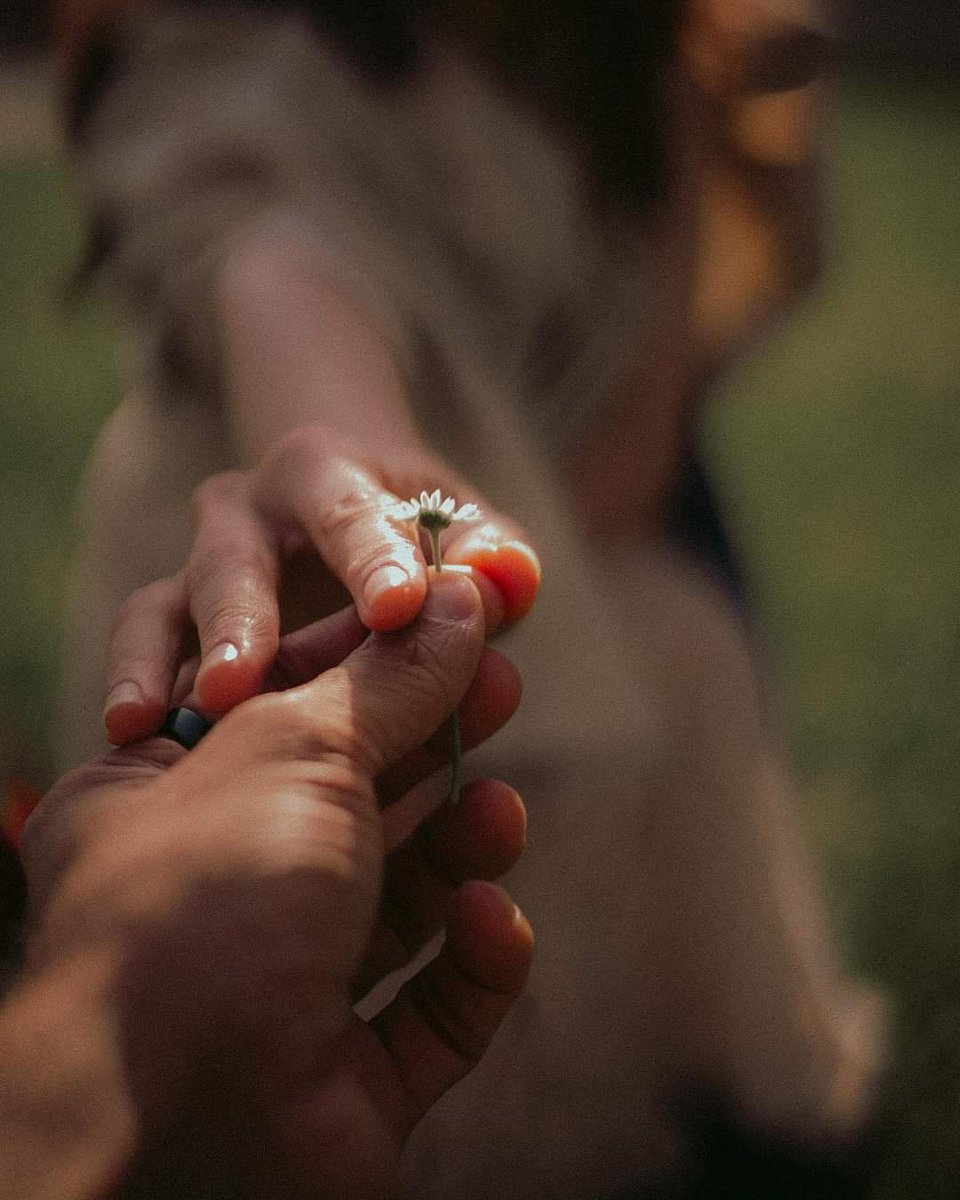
433 513
406 510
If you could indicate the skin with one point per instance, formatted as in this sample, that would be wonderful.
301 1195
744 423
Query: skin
204 921
317 401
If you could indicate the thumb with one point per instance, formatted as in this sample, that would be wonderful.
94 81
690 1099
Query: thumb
388 696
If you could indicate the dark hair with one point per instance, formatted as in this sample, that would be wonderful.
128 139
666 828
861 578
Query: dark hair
596 68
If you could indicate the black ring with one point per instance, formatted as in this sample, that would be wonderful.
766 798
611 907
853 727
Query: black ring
185 727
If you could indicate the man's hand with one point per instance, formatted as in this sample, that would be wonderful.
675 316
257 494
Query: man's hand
236 890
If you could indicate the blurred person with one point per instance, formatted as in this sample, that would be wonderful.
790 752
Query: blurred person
498 249
202 923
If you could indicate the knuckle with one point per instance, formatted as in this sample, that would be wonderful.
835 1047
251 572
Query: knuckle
302 451
237 570
229 614
298 731
367 555
216 491
306 441
357 537
241 566
427 673
159 596
348 510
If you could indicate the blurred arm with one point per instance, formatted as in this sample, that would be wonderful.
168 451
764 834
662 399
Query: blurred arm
69 1124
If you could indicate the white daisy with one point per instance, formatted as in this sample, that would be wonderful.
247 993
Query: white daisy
430 512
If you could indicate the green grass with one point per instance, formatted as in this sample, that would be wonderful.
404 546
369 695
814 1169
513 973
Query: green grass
58 380
838 451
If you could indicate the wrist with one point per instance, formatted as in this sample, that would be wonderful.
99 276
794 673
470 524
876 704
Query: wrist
303 345
74 1107
170 961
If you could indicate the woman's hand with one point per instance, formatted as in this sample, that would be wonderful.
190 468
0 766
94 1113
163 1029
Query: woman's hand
243 892
317 516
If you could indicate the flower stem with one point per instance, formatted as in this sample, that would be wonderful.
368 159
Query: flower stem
456 777
437 556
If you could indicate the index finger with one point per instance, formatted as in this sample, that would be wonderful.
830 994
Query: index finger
351 520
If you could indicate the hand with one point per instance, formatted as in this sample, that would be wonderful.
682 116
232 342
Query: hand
315 494
237 889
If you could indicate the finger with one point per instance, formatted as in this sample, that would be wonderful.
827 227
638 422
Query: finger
499 552
351 519
183 689
494 609
143 658
490 701
232 578
442 1021
310 651
480 838
390 694
302 655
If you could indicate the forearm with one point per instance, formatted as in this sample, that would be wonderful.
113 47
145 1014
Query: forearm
299 348
233 226
70 1123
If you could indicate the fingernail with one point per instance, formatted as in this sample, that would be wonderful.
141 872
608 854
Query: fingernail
452 597
223 652
525 551
126 692
382 580
484 543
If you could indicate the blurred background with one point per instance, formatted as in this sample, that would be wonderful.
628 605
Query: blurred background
837 449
